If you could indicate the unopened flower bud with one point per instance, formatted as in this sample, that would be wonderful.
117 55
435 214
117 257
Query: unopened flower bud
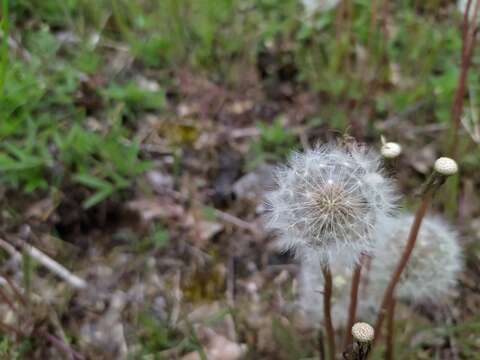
363 332
391 150
446 166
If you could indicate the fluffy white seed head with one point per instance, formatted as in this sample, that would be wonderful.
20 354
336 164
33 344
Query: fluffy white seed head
434 264
391 150
329 200
446 166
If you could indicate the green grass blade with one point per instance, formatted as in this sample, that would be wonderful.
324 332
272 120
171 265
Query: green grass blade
4 46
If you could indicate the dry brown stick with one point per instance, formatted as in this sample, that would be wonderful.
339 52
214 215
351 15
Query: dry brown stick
327 311
390 354
389 292
352 309
7 301
242 224
17 293
61 345
46 261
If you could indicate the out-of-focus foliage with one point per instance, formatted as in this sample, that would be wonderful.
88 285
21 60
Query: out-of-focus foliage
55 80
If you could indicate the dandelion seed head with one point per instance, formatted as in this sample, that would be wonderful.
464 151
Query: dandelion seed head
329 200
432 269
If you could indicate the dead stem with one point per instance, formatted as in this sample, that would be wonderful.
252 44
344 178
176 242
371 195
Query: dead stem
327 312
6 300
62 346
11 329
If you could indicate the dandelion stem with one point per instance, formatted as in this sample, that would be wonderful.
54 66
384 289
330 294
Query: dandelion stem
469 32
352 310
327 311
444 167
321 347
389 355
389 292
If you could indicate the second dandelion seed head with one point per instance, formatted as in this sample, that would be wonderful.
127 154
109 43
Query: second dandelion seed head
433 266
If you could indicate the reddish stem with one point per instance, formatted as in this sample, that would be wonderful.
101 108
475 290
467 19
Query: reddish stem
352 309
321 347
389 292
62 346
469 32
327 312
389 354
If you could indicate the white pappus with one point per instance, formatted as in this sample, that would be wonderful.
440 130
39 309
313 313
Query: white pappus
432 269
328 201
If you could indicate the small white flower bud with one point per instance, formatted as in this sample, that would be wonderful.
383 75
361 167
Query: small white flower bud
446 166
363 332
391 150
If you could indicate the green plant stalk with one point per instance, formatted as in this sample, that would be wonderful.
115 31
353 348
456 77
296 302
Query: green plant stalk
121 23
451 196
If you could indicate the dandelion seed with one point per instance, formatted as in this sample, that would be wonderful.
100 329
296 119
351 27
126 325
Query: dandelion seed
331 212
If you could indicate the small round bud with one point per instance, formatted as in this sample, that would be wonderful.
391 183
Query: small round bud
391 150
446 166
363 332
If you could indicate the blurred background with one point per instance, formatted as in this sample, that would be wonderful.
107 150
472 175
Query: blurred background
137 139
